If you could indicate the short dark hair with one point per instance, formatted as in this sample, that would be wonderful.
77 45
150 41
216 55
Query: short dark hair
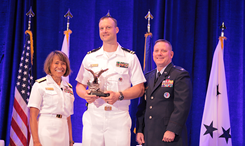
165 41
106 17
62 56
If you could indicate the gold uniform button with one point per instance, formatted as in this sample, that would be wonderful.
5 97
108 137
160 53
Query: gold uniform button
150 117
150 107
152 97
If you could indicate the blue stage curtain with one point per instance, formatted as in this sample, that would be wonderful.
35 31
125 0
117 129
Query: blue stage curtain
192 26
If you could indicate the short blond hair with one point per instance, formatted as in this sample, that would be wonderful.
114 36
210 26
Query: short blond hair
165 41
107 17
62 56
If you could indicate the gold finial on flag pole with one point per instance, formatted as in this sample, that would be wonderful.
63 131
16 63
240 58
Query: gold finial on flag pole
222 37
68 15
149 17
30 14
108 13
222 29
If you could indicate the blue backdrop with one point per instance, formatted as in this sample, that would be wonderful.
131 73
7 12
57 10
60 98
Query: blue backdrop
192 26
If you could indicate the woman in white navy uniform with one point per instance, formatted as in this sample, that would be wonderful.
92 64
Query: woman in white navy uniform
51 104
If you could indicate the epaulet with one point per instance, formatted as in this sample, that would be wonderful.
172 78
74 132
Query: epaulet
129 51
69 85
41 80
179 68
94 50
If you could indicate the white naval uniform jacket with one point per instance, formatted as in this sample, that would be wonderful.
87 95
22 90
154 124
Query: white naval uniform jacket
48 97
51 100
124 69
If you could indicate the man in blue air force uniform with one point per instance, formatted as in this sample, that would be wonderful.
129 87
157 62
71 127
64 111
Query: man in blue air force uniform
163 110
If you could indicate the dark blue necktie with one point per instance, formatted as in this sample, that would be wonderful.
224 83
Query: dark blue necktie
158 75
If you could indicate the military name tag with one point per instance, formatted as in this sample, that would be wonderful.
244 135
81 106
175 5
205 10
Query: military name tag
94 65
49 88
167 83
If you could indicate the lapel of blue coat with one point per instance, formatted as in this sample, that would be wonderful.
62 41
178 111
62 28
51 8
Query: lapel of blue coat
162 77
151 80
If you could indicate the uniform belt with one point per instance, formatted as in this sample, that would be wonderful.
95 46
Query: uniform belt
54 115
108 108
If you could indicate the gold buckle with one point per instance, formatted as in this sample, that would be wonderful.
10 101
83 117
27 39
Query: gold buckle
108 108
58 116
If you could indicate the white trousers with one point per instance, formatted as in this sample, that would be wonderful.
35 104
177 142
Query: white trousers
106 128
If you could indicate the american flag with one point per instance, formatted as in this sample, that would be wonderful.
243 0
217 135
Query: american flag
19 132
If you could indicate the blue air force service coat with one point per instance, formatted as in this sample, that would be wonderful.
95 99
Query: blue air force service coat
165 106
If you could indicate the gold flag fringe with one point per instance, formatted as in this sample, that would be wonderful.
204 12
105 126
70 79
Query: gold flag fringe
31 39
67 32
222 41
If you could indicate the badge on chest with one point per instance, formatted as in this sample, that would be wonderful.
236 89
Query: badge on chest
167 83
68 90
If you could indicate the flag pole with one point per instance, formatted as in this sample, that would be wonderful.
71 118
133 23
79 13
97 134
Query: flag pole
147 35
222 36
222 29
30 14
20 130
147 48
66 42
148 17
68 15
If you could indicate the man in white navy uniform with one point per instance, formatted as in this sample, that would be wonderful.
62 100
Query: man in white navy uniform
107 121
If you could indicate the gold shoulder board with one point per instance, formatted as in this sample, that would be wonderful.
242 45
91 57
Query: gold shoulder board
41 80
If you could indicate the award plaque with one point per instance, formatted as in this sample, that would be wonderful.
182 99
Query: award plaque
94 87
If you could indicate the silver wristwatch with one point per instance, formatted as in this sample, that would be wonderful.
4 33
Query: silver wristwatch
121 97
